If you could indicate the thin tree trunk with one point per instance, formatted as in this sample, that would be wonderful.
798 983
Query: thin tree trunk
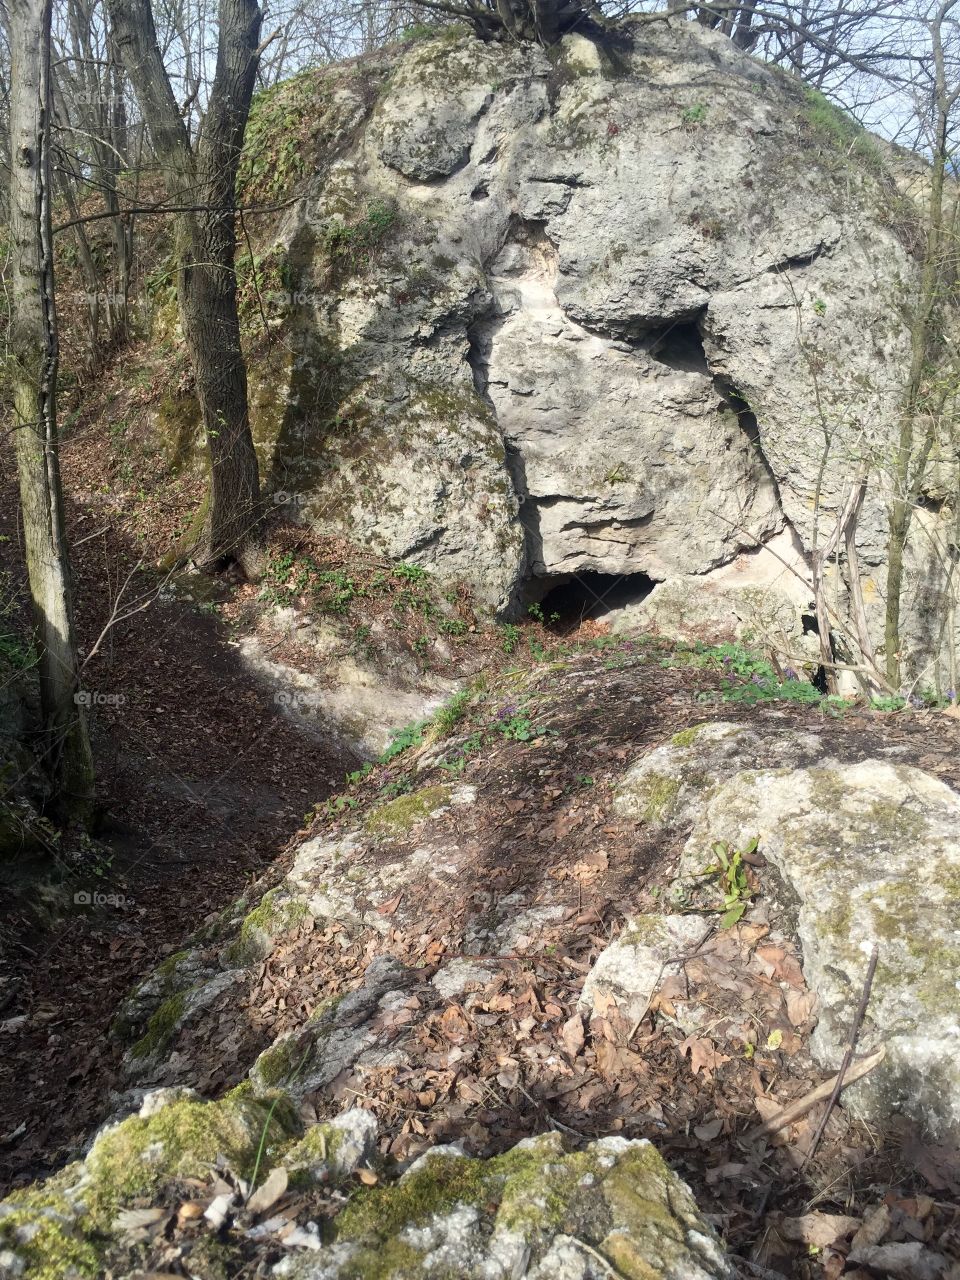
907 473
34 364
206 244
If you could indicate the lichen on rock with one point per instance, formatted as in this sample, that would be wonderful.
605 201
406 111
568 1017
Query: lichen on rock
667 786
452 1216
870 852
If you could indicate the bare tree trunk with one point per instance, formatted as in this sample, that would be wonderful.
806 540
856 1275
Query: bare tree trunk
908 472
206 174
34 363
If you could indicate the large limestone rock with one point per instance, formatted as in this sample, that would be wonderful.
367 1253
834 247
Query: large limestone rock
533 1211
545 322
869 853
667 786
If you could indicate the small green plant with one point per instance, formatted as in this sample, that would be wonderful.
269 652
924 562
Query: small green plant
410 735
451 713
518 728
352 245
694 116
339 804
510 637
734 884
409 572
336 589
452 626
819 306
535 611
458 761
391 790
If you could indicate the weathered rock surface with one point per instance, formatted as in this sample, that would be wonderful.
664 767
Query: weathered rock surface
554 1214
668 786
566 341
870 853
343 694
533 1211
631 968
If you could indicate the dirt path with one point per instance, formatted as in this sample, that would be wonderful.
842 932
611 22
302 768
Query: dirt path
203 780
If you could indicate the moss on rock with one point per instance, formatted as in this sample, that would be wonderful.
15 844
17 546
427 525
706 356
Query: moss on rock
276 914
399 815
616 1196
64 1226
659 793
161 1027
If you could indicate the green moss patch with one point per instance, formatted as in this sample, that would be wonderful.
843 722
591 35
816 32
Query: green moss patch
161 1027
401 814
659 793
64 1227
615 1198
274 916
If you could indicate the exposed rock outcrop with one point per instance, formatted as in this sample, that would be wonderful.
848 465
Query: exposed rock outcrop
634 314
425 954
869 854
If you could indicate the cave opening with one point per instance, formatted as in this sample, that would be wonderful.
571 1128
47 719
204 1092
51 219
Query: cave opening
565 603
679 346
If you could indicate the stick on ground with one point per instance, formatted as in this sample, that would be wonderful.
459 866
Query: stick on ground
855 1071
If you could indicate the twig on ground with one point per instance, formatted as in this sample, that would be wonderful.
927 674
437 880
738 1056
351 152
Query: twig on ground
847 1057
588 1248
855 1071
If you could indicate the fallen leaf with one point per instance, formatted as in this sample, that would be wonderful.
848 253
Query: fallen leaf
707 1132
875 1226
137 1219
269 1191
818 1229
367 1177
572 1035
704 1055
800 1005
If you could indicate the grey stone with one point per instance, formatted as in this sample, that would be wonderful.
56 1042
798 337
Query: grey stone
870 853
668 785
631 968
621 1201
576 348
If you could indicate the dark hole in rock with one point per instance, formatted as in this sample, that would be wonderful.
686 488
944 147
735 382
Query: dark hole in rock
736 404
567 602
812 628
680 346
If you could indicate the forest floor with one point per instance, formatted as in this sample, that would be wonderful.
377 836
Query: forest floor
206 783
543 748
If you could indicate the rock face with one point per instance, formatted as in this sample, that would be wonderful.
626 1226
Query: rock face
869 854
546 319
533 1211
